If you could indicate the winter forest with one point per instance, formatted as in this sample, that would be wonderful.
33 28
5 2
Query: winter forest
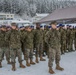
31 7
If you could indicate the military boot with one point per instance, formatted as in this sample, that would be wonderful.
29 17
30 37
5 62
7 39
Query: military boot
51 71
37 60
0 65
59 68
27 63
42 59
21 65
13 67
31 62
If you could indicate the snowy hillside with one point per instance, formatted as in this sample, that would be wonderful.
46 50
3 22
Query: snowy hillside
68 62
31 7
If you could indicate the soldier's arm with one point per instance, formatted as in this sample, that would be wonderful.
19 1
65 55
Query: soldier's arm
47 37
8 35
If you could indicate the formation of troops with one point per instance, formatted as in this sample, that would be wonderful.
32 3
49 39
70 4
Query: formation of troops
52 41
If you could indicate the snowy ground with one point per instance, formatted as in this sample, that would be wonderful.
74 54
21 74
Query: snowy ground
68 61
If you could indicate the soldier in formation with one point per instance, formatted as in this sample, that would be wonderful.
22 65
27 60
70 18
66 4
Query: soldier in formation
52 41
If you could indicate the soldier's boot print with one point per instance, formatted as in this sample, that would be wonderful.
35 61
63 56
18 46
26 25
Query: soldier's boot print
51 71
31 62
21 65
13 67
59 68
8 62
0 65
42 59
27 63
37 61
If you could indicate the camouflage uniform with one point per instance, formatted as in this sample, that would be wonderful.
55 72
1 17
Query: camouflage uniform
45 45
68 39
28 47
71 39
28 43
4 45
53 40
41 44
38 42
15 45
63 40
22 40
75 38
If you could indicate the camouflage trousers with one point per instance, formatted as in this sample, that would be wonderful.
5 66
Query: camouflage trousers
69 45
54 54
75 43
5 51
28 54
46 48
14 53
22 47
39 49
63 47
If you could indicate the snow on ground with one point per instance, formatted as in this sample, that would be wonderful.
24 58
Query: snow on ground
68 61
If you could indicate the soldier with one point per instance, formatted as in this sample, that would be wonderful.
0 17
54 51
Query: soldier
22 30
38 40
8 28
53 40
28 43
75 37
41 51
15 46
46 47
71 38
68 35
4 45
63 39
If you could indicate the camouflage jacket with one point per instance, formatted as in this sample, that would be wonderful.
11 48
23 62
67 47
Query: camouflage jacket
63 35
28 40
38 36
53 38
15 39
4 42
23 33
72 34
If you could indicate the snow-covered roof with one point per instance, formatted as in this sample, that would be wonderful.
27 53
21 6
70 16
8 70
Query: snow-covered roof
24 21
6 13
43 14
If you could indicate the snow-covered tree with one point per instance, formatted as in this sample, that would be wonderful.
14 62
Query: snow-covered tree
31 7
